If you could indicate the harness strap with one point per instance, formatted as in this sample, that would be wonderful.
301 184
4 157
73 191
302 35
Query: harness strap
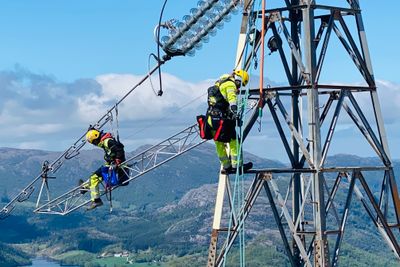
108 190
202 132
111 206
218 132
221 81
104 137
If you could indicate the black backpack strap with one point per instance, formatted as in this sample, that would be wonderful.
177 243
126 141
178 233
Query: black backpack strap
216 100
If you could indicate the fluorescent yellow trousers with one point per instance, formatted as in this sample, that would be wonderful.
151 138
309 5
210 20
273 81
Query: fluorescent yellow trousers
94 182
225 159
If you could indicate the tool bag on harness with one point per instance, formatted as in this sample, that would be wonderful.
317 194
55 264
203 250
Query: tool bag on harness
110 176
224 128
204 128
114 176
110 179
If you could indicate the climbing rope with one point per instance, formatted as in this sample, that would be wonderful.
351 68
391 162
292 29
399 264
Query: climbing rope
238 197
260 104
160 91
117 122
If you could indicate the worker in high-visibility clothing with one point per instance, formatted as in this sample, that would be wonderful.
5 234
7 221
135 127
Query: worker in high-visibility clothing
114 155
222 116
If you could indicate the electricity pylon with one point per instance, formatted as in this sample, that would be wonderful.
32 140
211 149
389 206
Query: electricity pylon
300 31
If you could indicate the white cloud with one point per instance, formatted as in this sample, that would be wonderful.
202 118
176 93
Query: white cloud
23 130
90 107
344 127
389 96
142 103
39 107
40 112
32 145
389 99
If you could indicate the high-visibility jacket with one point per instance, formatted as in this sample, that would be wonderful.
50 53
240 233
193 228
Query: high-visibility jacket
113 149
227 87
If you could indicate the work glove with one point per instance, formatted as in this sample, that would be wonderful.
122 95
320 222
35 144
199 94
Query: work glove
118 162
114 164
112 167
234 110
235 115
239 121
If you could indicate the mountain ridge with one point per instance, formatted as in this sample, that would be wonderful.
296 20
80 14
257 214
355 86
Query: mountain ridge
168 210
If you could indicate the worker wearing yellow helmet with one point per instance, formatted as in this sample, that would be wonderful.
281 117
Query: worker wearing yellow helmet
114 155
222 115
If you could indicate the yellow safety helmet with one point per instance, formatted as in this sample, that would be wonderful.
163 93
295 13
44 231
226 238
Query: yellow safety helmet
243 75
92 135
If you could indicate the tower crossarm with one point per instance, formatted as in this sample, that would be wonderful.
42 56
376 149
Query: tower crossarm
71 152
136 166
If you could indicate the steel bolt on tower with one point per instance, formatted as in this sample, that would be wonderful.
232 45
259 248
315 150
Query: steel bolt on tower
313 186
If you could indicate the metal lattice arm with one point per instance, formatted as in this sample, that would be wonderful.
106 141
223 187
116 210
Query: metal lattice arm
68 154
137 165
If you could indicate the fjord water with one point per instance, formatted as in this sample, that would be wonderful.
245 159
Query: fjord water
44 263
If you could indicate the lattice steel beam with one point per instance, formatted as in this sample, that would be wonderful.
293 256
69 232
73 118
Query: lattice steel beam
137 165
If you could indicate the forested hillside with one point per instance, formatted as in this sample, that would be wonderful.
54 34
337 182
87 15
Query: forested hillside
165 216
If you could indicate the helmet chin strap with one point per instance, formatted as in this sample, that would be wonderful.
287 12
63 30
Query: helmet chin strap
96 141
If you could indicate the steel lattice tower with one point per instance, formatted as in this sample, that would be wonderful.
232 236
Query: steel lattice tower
303 29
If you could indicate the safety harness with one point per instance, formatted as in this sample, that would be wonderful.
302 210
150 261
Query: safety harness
109 173
217 118
217 104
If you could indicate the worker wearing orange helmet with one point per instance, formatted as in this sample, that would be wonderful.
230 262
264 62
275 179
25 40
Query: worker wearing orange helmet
114 155
221 116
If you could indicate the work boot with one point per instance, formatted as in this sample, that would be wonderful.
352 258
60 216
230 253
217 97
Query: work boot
247 166
95 203
122 180
227 170
82 190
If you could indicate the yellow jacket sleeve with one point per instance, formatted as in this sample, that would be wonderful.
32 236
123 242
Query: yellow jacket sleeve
228 91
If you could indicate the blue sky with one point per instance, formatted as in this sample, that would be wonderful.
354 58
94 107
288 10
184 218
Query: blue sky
52 52
82 39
